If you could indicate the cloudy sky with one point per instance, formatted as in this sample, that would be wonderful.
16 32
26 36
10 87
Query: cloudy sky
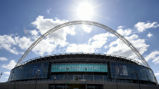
23 21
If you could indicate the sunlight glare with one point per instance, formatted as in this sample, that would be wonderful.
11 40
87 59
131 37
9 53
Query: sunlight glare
85 10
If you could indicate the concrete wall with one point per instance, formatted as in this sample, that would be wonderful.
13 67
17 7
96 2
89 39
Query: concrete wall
45 85
23 85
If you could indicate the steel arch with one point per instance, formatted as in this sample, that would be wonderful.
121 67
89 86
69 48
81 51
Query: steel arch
86 23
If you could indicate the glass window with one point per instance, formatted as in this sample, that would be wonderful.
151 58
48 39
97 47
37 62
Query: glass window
29 71
105 77
88 77
123 71
146 74
142 73
131 71
98 77
77 77
69 76
60 77
151 76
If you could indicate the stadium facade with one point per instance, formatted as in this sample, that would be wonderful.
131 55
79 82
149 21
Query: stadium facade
81 71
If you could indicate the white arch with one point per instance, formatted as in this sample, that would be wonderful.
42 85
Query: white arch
87 23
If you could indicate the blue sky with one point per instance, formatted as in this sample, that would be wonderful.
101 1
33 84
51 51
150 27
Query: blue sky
22 22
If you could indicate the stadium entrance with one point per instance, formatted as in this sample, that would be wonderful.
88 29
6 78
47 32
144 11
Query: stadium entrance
75 86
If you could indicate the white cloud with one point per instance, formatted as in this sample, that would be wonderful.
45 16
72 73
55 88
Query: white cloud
7 73
156 74
44 24
142 26
58 38
95 42
3 59
84 48
125 32
99 40
118 48
149 35
6 77
23 42
10 43
7 42
45 46
34 32
154 56
115 46
86 28
10 65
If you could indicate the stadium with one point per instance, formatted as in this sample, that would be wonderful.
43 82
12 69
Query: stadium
81 71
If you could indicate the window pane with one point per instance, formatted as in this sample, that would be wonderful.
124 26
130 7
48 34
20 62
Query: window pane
151 76
88 77
123 71
142 74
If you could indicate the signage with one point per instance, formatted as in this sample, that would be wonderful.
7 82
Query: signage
71 67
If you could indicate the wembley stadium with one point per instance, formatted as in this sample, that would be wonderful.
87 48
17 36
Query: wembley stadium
81 70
